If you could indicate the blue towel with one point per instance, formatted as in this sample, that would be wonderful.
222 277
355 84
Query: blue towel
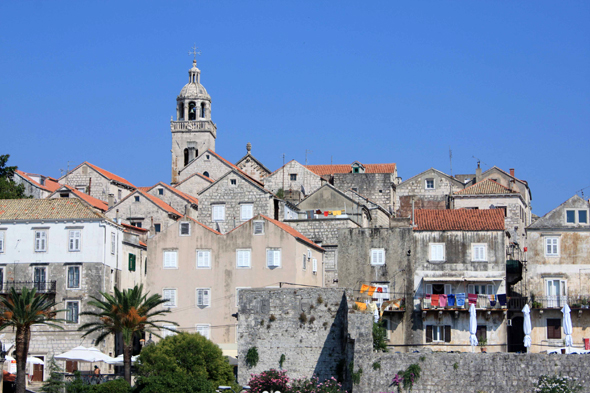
502 299
451 300
460 299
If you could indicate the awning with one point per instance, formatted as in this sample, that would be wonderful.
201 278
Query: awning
470 279
443 278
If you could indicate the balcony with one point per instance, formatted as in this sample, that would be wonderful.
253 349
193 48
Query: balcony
547 302
48 287
482 303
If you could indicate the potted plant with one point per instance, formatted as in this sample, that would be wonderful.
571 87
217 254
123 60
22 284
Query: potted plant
482 345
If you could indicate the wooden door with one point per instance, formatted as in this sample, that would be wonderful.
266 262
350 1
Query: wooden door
37 372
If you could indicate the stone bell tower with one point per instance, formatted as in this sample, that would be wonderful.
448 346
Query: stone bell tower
193 132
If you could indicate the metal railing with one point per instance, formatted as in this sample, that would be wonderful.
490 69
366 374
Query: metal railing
91 379
580 302
40 286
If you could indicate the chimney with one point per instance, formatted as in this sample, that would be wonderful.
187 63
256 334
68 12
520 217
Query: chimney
512 172
477 173
111 200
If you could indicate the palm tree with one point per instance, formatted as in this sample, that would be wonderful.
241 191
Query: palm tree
21 311
131 313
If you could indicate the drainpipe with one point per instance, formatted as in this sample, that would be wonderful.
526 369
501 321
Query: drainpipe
413 222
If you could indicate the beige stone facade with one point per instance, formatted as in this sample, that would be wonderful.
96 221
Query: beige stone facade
181 202
251 166
295 180
209 164
194 184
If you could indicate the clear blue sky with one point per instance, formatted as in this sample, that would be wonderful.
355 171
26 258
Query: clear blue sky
507 82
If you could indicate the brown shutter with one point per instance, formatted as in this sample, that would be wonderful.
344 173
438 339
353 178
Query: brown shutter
447 333
429 333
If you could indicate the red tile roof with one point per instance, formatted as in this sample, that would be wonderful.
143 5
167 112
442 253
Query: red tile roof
47 209
203 225
181 194
50 183
142 244
145 189
92 201
292 231
343 168
109 175
487 186
196 174
459 220
235 167
159 202
134 227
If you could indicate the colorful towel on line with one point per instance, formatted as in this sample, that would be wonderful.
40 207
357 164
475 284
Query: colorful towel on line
460 299
442 300
472 297
434 300
451 300
502 299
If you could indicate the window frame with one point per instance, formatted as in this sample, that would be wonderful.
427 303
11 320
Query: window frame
558 330
2 240
136 198
113 243
292 177
214 208
304 265
431 179
249 253
160 191
158 227
206 251
184 224
557 245
444 252
578 216
67 319
474 255
444 334
72 248
208 329
381 253
490 289
131 262
42 239
79 268
274 250
208 298
254 224
164 252
175 292
244 217
314 266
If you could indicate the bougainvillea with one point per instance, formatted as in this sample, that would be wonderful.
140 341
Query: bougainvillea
269 381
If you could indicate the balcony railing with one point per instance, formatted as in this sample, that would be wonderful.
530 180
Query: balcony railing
483 302
580 302
40 286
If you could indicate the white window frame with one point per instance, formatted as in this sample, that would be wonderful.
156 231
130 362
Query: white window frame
448 288
426 184
481 289
440 332
243 251
206 327
172 302
434 246
314 266
68 321
41 243
244 207
479 252
2 240
79 277
203 259
304 262
258 223
578 216
185 224
206 297
380 297
113 242
167 333
377 256
169 265
72 246
218 212
556 300
238 294
276 263
555 243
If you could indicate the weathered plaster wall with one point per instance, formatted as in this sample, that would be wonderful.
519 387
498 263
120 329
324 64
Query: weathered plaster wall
193 185
378 187
100 187
206 162
281 178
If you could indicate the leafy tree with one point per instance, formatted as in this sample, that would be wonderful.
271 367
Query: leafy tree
21 311
55 383
183 363
379 336
131 313
8 188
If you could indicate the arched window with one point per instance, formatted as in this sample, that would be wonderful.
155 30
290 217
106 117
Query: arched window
206 173
203 109
192 111
185 157
181 111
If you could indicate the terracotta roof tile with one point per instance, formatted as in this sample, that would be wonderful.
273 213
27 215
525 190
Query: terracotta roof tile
344 168
109 175
46 209
203 225
132 227
50 183
235 167
292 231
181 194
487 186
459 220
92 201
159 202
145 189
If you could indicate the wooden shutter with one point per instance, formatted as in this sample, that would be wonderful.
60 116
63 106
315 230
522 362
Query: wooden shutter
315 265
429 333
447 333
429 289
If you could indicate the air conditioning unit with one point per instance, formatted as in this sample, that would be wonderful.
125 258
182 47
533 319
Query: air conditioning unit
509 322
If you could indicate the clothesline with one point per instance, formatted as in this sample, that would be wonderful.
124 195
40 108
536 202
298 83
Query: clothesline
458 299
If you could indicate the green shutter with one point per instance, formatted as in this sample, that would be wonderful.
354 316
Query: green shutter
131 262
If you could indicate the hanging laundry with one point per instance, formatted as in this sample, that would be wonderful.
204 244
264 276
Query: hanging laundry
472 298
364 287
361 306
460 297
492 299
318 211
442 300
482 301
326 213
502 299
372 307
427 301
371 291
380 290
434 300
451 300
337 212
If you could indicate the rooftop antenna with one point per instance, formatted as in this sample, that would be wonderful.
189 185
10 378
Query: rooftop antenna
582 191
451 160
480 161
306 153
195 52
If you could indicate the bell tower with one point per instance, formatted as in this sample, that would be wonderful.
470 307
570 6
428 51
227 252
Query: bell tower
193 132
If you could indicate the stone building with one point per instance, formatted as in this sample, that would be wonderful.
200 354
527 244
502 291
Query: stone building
65 191
252 166
427 190
97 182
208 164
143 210
375 181
193 184
193 131
180 201
67 250
235 198
202 271
295 180
36 186
558 273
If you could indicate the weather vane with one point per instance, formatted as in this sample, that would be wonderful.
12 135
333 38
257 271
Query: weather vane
194 52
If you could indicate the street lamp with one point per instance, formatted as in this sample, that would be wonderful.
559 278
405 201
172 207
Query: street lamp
223 388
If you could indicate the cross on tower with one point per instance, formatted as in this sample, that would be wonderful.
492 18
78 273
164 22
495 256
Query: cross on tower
194 52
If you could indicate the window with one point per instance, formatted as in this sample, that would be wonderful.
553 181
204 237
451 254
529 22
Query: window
429 184
437 252
158 228
355 189
293 176
479 252
553 328
583 216
120 194
203 259
40 278
218 212
72 311
73 277
203 297
74 243
243 258
314 265
246 211
377 256
438 289
503 208
169 330
170 296
113 242
137 198
206 174
136 224
481 333
556 291
273 257
238 289
203 330
438 333
259 227
551 246
1 278
131 262
304 262
185 229
570 216
82 189
576 216
40 241
160 191
381 294
233 182
2 241
170 260
481 289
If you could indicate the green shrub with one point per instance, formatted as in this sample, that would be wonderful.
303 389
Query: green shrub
116 386
356 376
379 336
376 366
252 357
557 384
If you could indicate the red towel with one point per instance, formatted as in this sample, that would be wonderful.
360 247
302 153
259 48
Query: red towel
434 300
472 298
326 213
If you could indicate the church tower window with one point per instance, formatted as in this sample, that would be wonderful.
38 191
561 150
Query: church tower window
180 111
203 109
192 111
185 157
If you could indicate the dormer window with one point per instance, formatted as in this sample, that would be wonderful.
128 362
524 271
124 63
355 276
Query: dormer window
160 191
429 184
137 198
576 216
233 182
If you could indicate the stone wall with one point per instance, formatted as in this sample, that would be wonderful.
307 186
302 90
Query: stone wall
144 211
193 184
208 164
378 187
100 186
281 179
30 189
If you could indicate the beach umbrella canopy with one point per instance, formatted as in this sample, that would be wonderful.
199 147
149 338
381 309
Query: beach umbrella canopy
526 326
30 360
472 326
567 325
118 361
83 354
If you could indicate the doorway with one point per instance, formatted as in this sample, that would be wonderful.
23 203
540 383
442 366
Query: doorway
38 370
516 335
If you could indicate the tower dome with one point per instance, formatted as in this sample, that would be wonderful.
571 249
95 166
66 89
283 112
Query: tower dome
194 89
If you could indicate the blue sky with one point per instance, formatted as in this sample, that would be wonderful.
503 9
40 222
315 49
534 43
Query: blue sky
507 82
